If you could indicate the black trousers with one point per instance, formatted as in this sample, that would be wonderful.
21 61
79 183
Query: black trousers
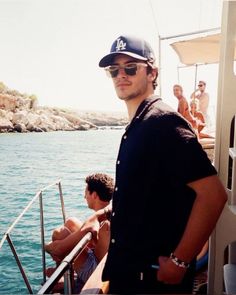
133 284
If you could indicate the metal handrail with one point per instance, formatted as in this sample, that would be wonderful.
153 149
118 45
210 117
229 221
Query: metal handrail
26 209
65 264
6 235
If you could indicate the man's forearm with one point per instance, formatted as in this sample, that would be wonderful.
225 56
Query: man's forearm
104 213
63 247
206 210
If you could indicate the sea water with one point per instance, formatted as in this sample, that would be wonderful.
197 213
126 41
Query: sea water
31 161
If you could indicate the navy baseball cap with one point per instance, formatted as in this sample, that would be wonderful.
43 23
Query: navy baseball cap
131 46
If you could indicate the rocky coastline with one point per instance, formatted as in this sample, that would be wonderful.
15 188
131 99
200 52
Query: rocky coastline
21 113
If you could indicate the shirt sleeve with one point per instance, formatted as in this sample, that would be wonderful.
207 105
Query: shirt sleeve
183 159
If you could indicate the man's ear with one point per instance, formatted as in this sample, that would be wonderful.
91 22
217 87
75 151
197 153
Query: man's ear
153 74
95 195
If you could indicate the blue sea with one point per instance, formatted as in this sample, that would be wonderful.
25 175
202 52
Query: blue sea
31 161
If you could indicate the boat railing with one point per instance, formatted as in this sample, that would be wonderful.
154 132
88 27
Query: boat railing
66 265
7 237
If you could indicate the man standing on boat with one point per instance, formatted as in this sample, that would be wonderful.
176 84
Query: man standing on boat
203 99
167 196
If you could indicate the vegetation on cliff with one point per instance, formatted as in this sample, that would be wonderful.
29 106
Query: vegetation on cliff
21 113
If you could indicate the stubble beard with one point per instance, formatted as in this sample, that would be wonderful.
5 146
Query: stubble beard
130 96
133 95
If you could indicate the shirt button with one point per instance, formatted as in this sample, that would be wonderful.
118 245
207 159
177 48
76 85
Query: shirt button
125 136
113 241
118 162
116 189
113 213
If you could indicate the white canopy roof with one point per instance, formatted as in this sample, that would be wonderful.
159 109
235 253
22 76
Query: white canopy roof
201 50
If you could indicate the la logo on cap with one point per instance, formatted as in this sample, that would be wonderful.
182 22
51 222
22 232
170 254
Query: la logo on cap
120 44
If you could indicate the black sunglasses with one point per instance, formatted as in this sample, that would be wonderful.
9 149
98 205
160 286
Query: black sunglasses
130 69
200 85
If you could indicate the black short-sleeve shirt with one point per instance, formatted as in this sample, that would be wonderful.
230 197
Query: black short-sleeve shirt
159 155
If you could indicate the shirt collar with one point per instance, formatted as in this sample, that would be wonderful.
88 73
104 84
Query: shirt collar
142 109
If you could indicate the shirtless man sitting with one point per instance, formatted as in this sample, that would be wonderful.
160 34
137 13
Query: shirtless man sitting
198 115
98 193
183 107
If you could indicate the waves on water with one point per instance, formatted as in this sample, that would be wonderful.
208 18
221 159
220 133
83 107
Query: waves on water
28 163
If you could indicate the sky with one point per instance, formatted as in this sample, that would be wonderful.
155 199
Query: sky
51 48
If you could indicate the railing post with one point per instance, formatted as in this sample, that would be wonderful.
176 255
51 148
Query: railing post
67 275
68 280
62 201
19 264
42 236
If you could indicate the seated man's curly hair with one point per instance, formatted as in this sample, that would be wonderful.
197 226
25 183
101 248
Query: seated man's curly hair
102 184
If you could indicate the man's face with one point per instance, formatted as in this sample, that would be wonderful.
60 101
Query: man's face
201 86
130 86
177 91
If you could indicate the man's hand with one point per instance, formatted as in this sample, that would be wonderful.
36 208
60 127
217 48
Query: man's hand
168 272
91 225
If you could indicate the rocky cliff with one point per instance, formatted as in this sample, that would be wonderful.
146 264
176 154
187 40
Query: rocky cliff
21 113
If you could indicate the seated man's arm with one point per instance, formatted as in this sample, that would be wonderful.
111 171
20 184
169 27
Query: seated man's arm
60 248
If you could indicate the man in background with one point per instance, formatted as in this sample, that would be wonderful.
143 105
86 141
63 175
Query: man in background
202 97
